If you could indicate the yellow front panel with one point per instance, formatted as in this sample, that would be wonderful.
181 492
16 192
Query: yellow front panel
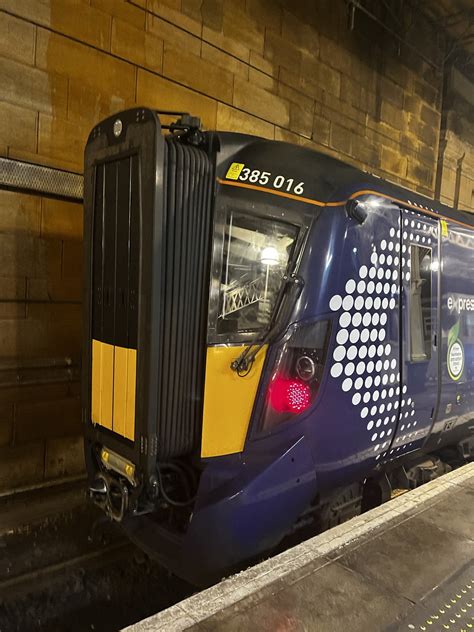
131 394
228 401
96 386
120 390
107 385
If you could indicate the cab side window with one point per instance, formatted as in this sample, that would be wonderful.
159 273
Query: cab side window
420 303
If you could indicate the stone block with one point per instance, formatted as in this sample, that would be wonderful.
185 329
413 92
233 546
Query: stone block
431 94
262 64
197 73
367 154
382 133
64 457
238 26
262 80
53 289
33 88
17 39
37 392
72 260
390 91
223 60
301 119
19 213
6 425
421 174
135 45
12 297
19 255
393 162
62 55
286 136
172 13
430 116
171 34
211 11
226 43
282 52
126 11
267 106
340 139
18 128
61 219
425 133
393 116
75 19
160 93
88 106
300 33
334 54
197 8
265 13
62 140
232 120
321 130
314 71
21 466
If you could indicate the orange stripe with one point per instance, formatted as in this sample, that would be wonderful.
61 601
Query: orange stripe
420 209
255 187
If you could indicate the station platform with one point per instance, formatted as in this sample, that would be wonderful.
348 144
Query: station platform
406 565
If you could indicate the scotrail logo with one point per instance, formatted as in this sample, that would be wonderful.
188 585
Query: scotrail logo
460 304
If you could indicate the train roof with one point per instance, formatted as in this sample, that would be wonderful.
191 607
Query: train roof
329 175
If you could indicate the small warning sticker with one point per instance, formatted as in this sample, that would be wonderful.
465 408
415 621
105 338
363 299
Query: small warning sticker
234 171
444 228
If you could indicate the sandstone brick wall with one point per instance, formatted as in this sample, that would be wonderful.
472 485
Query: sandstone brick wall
283 70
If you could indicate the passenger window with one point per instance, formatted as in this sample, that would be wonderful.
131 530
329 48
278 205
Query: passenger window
420 303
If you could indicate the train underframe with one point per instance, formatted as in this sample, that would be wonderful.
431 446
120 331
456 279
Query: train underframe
162 521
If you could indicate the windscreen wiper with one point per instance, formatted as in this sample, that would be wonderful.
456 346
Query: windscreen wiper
292 287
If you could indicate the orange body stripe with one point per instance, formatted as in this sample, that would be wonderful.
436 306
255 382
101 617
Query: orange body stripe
291 196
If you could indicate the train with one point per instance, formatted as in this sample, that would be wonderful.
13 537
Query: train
274 340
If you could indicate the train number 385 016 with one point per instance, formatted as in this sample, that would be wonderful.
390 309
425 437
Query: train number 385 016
238 171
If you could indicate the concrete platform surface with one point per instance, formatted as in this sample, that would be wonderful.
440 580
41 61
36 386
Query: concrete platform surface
407 565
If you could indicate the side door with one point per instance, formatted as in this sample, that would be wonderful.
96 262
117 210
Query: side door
419 280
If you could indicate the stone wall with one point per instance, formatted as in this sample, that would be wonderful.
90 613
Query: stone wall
284 70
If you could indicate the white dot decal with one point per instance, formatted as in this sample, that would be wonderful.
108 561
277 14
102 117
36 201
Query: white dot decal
352 353
359 303
365 364
355 335
347 303
342 336
345 319
347 385
350 287
336 370
335 303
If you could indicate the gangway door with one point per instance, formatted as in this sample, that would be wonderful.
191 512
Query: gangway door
419 279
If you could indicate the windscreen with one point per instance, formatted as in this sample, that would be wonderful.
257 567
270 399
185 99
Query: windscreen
255 260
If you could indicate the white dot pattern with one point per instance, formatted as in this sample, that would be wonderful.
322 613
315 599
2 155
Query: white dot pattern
365 364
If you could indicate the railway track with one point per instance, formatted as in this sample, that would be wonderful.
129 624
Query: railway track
72 573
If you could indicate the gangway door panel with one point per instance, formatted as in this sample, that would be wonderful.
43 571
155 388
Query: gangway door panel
419 279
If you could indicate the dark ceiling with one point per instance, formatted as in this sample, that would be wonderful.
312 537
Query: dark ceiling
456 16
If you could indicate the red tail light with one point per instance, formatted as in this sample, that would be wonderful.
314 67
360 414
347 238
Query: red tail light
297 374
289 395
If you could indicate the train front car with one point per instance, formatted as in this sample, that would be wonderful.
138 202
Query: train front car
249 362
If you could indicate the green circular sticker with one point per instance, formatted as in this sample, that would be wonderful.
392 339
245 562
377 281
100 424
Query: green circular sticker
456 360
